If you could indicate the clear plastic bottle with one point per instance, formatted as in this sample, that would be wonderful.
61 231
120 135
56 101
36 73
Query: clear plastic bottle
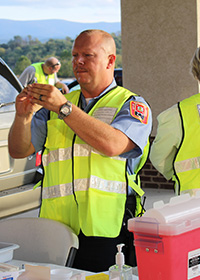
120 271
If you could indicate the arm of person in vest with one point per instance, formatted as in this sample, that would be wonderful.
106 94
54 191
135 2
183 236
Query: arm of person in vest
96 133
169 132
19 139
64 87
28 76
51 67
166 142
59 84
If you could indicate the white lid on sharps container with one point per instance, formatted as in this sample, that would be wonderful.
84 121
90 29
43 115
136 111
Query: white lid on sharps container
179 208
180 215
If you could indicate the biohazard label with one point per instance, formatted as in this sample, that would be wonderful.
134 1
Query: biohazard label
139 111
193 264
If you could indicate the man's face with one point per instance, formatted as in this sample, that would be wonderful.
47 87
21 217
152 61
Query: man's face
54 69
89 60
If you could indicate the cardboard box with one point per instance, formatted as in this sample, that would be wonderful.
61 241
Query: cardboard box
167 240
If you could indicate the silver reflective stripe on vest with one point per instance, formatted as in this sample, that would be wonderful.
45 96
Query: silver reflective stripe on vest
83 185
57 191
187 165
80 150
56 155
105 114
66 153
107 186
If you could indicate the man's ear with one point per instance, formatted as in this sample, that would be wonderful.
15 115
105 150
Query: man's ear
111 60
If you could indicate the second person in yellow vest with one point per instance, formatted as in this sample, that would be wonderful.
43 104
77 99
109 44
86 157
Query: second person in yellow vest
175 152
43 73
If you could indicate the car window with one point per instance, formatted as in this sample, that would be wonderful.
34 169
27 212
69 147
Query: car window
7 95
77 87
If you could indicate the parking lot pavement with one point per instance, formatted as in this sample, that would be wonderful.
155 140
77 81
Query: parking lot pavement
153 195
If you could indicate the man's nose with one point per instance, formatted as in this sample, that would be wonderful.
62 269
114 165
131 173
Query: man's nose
80 59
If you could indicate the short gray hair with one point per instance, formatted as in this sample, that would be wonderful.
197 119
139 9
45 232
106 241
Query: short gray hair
51 61
195 64
109 42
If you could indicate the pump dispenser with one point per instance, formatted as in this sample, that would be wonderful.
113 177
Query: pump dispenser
120 271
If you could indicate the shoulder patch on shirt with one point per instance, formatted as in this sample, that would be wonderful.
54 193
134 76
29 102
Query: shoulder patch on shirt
139 111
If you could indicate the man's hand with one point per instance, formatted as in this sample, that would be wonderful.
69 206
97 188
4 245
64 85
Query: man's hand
101 136
47 96
19 138
65 89
24 104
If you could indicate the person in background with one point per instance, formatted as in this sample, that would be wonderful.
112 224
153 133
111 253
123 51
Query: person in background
95 143
43 73
175 151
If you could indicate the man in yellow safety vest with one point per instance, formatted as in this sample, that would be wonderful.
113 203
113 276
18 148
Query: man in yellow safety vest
95 142
175 152
43 73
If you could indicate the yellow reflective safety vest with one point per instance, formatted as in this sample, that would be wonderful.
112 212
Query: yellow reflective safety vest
40 76
187 160
82 187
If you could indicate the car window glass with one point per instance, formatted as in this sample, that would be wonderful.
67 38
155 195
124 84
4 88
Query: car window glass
7 94
77 87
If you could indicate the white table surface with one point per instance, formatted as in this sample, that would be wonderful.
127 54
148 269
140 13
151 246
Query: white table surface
53 266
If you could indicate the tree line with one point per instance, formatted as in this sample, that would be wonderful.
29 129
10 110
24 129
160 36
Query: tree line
20 52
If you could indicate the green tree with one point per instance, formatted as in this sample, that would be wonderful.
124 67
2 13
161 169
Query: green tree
118 62
21 64
66 54
20 52
2 51
17 42
117 39
66 69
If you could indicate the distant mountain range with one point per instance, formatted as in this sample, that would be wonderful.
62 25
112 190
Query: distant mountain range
50 29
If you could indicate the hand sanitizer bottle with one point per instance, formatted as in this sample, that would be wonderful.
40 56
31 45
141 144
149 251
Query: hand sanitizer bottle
120 271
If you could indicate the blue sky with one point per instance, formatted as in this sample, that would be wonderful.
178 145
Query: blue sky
72 10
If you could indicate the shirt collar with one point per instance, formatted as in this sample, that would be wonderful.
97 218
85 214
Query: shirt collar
111 86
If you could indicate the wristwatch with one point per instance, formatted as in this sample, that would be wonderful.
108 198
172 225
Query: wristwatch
65 110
